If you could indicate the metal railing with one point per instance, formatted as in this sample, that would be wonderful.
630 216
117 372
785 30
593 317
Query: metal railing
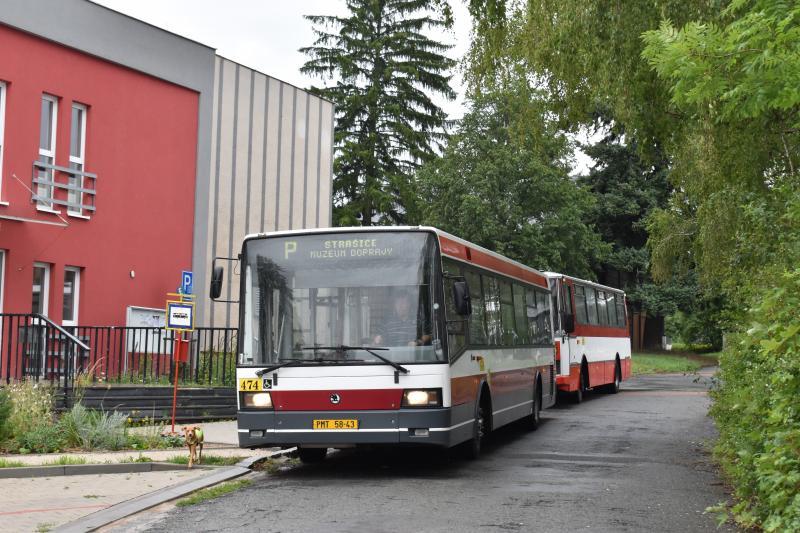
33 347
80 196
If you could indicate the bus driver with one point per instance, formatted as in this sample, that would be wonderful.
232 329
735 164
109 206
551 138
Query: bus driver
403 327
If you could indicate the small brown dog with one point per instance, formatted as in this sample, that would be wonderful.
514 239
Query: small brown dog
193 435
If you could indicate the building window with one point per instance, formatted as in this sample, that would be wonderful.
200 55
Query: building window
47 152
72 290
77 157
41 288
2 137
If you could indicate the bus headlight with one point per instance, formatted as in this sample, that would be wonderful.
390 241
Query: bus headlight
422 398
257 400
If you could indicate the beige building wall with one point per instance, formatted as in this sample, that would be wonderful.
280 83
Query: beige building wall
271 169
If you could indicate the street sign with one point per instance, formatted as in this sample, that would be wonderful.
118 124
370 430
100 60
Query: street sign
186 281
180 316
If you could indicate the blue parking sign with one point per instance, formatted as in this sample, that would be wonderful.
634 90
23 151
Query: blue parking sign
186 282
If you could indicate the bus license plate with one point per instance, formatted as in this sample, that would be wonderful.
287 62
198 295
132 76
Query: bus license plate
250 384
335 424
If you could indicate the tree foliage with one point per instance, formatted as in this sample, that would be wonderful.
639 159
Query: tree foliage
382 69
503 183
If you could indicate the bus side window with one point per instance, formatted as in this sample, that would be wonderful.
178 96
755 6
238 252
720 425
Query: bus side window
580 304
520 317
533 315
621 311
456 324
602 311
477 322
612 309
509 337
543 318
591 305
491 293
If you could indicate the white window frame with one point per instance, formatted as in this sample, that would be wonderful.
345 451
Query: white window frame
79 160
45 289
76 289
51 153
3 90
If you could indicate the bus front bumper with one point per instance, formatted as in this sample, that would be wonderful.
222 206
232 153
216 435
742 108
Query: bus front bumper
407 426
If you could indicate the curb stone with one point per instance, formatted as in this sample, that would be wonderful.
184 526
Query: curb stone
124 509
84 470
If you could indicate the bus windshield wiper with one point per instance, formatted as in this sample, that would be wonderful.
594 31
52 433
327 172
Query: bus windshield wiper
286 362
368 349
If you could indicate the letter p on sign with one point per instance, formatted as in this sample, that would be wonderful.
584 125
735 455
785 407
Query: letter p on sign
289 248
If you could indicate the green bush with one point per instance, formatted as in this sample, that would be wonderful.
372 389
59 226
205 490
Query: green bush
91 430
46 438
32 407
757 410
6 407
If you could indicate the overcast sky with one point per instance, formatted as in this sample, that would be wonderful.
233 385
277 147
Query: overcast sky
266 34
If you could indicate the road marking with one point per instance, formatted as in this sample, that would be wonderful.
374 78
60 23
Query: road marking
24 511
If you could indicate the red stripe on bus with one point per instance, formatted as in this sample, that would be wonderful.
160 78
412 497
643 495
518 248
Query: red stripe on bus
349 400
585 330
465 389
600 373
457 250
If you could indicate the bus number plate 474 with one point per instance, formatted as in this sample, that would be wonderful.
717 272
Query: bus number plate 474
335 424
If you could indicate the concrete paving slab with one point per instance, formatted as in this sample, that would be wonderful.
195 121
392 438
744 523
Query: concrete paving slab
48 502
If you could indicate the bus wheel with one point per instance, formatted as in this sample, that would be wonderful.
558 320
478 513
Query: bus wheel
578 394
613 388
536 416
312 455
479 432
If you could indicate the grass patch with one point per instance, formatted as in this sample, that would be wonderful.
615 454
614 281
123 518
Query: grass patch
213 492
65 460
140 459
44 527
5 463
208 460
662 363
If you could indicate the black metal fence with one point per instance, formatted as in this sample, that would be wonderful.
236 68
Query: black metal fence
33 347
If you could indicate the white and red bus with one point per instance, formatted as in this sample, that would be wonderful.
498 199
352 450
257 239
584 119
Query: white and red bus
393 336
592 339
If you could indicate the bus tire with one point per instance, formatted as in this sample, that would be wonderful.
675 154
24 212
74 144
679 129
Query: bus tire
312 455
473 449
535 417
613 387
578 395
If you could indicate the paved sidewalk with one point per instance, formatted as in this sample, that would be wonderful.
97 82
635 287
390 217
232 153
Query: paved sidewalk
44 503
31 504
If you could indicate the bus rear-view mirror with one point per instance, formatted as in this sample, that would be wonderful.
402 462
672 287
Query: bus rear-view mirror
216 282
461 298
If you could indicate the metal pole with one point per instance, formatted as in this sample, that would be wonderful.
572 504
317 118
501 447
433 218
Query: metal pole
175 355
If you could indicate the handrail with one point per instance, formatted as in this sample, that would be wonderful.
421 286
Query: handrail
64 332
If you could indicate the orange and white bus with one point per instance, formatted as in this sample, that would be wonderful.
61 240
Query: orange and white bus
592 339
386 336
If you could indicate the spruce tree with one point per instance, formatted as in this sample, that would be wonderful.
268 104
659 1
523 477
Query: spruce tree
381 70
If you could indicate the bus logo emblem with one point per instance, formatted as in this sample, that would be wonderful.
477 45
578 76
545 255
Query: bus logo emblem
335 398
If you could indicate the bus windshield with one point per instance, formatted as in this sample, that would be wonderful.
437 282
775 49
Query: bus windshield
305 295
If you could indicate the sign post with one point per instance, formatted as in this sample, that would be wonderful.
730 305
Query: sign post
180 319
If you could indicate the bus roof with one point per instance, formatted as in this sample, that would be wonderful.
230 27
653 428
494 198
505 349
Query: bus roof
451 246
555 275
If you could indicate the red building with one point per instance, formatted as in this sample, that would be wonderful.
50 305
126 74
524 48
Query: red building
126 143
129 154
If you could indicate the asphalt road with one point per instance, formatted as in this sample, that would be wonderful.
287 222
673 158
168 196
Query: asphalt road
634 461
